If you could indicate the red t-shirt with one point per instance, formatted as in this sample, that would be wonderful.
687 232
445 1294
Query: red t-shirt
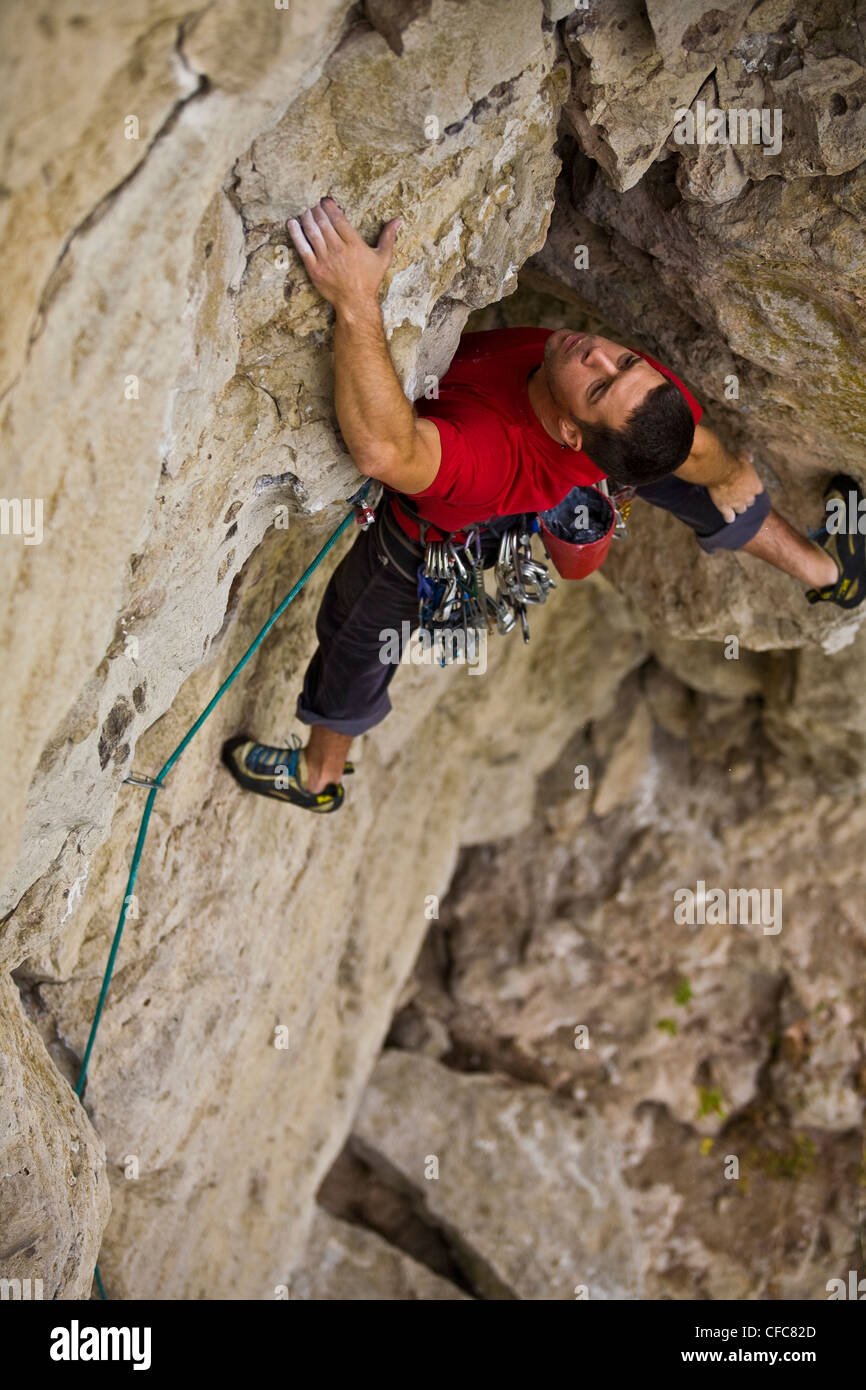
497 459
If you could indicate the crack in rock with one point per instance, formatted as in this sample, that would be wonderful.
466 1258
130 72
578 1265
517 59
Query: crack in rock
95 215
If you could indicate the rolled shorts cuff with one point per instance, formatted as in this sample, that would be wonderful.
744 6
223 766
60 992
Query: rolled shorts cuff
352 728
737 533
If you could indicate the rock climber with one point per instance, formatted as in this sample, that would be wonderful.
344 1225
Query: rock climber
522 416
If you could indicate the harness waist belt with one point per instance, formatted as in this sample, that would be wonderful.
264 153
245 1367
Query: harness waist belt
399 549
493 525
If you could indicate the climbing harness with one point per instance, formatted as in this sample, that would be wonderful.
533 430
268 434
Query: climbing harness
362 512
454 607
452 600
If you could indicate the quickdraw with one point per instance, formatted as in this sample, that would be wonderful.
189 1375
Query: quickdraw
452 602
520 579
454 607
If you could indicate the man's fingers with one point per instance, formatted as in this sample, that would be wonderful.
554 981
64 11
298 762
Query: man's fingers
313 231
302 246
326 227
728 513
385 244
747 456
340 263
338 219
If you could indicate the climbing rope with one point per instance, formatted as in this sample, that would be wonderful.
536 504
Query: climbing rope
156 783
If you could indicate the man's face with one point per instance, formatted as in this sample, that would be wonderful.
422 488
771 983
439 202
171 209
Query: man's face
594 379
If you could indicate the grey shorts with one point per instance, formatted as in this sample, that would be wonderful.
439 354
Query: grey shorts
693 505
374 588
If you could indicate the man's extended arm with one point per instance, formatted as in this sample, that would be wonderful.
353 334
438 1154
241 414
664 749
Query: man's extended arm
382 432
730 479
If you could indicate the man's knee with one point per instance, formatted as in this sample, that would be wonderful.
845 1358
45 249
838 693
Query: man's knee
736 534
691 504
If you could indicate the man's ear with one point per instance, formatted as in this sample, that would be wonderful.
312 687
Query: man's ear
569 433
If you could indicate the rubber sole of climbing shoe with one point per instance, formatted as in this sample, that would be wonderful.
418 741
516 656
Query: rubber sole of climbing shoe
258 773
846 546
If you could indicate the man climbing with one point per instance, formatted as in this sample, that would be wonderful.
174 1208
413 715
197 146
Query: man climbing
522 417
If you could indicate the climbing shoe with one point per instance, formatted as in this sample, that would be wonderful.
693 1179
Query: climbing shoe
276 772
843 542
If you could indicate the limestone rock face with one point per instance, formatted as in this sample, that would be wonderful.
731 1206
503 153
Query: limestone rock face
120 327
700 1080
169 398
486 1138
635 67
54 1188
166 379
224 346
344 1262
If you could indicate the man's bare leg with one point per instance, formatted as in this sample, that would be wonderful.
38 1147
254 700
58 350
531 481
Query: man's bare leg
324 756
780 545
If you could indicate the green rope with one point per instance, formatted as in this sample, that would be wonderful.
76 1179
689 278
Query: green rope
163 772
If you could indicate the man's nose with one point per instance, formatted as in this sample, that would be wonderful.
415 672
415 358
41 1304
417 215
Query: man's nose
597 357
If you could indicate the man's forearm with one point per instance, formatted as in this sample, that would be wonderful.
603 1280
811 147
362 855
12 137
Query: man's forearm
712 465
383 434
376 419
730 479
